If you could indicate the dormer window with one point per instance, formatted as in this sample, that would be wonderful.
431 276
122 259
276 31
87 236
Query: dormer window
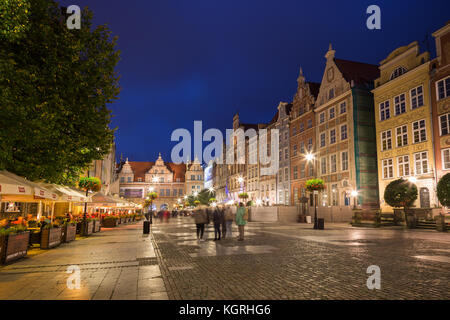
139 179
331 94
398 72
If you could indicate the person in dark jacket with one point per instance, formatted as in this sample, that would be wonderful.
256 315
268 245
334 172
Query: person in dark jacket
218 221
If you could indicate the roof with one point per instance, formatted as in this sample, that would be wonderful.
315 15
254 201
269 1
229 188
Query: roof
359 72
140 168
314 88
248 126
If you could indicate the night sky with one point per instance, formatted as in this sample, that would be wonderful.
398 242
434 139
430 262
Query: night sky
208 59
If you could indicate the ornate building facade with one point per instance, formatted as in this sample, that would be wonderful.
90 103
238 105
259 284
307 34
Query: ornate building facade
283 194
138 178
404 123
302 136
345 135
194 177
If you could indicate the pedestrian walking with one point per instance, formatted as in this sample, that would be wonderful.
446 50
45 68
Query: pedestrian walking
229 218
240 220
200 219
218 221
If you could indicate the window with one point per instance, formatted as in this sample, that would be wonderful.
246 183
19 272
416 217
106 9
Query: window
139 179
280 176
332 113
444 123
180 192
400 104
129 179
403 166
322 140
388 169
398 72
294 131
295 150
174 192
334 195
302 127
302 147
192 177
333 163
419 131
167 192
286 153
402 136
421 162
386 140
162 192
417 97
309 123
310 170
286 174
323 165
161 179
331 94
446 159
309 144
280 155
344 160
332 136
343 107
322 117
122 179
295 172
302 170
443 88
385 111
343 132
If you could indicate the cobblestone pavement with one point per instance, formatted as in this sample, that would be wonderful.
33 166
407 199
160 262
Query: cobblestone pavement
275 261
296 262
117 263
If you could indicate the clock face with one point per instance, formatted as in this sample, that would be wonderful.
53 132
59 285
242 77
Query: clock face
330 74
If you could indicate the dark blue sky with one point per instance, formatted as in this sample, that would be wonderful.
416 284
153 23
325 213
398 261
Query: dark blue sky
206 59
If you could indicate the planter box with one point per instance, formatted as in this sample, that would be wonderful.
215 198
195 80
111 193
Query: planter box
441 226
14 246
68 233
50 238
110 223
96 226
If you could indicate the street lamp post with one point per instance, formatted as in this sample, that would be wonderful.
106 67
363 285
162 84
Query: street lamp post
310 158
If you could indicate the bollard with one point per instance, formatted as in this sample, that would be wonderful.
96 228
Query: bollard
146 227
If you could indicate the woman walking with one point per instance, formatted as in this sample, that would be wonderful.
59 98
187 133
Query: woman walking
200 219
240 220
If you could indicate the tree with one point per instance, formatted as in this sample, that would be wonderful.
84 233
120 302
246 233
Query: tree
443 190
400 193
55 85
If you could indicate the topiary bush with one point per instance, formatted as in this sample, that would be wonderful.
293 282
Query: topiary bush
400 193
443 190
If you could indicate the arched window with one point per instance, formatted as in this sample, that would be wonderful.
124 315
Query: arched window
398 72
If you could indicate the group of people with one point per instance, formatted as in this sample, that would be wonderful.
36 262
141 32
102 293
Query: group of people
222 218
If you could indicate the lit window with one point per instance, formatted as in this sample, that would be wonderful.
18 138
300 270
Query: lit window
417 97
333 166
446 159
386 140
295 172
323 165
421 162
402 136
388 169
385 111
344 160
419 131
403 166
302 170
400 104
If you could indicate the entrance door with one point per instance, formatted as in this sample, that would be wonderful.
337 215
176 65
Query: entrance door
424 198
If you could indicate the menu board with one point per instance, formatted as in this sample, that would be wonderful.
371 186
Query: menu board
133 193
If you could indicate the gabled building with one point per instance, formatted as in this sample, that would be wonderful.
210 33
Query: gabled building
194 177
345 134
440 100
302 137
403 123
283 194
138 178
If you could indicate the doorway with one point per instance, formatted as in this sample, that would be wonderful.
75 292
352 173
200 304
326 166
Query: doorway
424 198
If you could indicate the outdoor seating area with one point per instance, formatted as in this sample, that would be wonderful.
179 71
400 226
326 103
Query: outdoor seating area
36 215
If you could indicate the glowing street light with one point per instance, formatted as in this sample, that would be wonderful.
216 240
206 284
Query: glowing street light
195 193
354 194
309 157
211 189
240 179
155 179
185 197
151 189
412 179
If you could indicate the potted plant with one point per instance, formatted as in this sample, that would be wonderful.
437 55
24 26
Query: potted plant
69 231
443 194
50 236
13 243
243 196
402 194
110 221
88 184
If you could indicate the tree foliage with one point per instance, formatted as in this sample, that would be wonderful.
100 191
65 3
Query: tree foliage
55 85
400 193
443 190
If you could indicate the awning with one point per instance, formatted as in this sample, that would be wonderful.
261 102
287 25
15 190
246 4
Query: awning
38 191
65 193
12 187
